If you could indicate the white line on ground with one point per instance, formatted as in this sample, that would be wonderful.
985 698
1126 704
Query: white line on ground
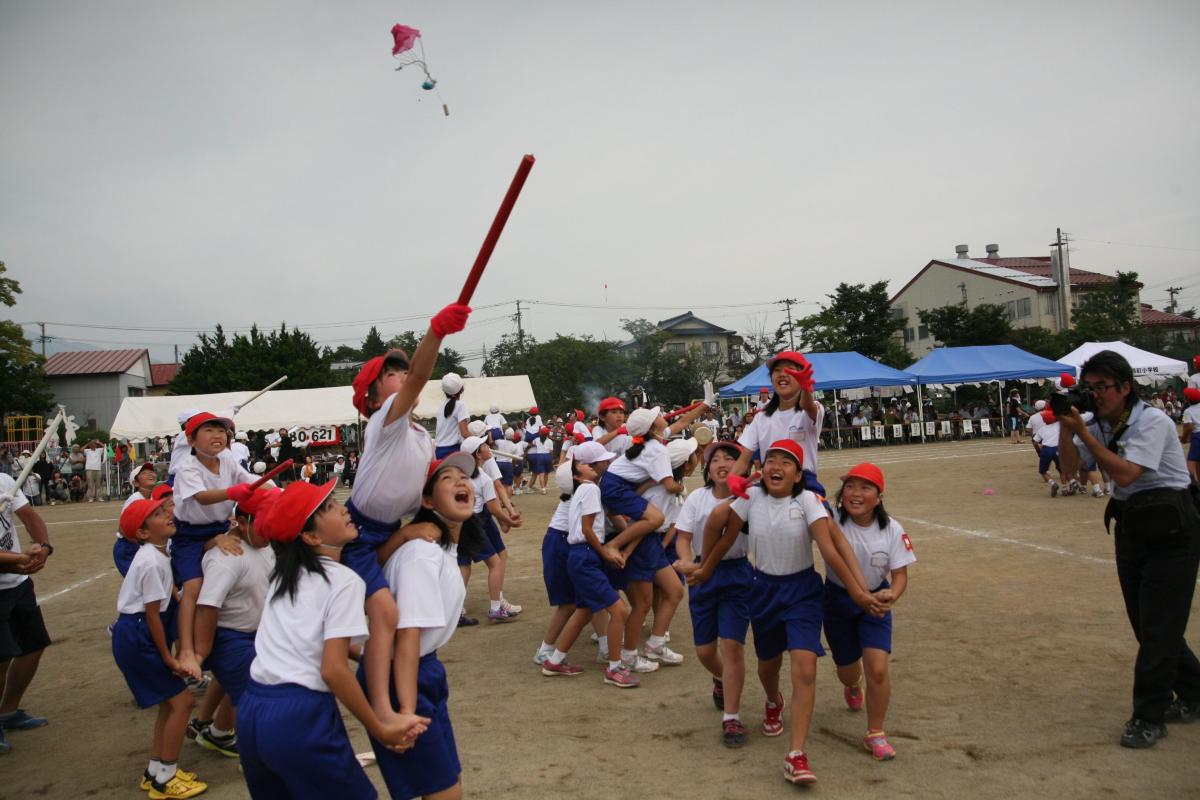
74 586
995 537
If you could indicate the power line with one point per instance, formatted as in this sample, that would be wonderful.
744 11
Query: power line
1134 244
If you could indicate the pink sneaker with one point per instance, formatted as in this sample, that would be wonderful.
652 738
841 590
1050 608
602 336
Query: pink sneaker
773 719
550 669
621 677
854 697
796 769
877 743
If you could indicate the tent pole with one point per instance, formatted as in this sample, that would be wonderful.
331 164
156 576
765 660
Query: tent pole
921 413
1003 416
837 420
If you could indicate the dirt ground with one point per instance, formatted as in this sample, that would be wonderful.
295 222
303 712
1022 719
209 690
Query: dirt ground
1012 670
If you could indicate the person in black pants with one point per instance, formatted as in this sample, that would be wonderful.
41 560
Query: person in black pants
1157 537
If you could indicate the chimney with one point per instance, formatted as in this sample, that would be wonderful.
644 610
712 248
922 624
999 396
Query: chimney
961 251
993 251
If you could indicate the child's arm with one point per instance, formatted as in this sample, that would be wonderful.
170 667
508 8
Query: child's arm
206 631
499 513
686 420
686 563
335 671
451 319
822 532
721 530
159 636
414 530
227 542
890 595
404 668
607 552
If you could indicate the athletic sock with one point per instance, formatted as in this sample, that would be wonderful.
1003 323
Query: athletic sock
628 655
495 605
734 715
152 770
166 771
557 657
614 665
546 647
603 642
216 733
656 641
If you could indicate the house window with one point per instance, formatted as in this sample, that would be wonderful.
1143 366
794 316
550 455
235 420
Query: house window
136 391
735 353
909 335
711 348
1010 308
677 348
1023 308
923 332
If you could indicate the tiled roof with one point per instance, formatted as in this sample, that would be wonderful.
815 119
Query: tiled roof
1152 316
92 362
1041 267
162 374
707 329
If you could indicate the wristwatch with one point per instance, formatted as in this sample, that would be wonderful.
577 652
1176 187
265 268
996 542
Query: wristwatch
49 548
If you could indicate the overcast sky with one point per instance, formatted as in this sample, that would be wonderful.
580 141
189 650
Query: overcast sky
174 165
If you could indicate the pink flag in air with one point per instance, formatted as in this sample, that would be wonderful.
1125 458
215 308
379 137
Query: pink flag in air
404 38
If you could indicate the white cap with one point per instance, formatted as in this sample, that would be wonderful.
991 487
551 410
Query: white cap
477 427
495 410
260 467
452 383
471 444
1039 405
186 414
133 475
563 478
680 450
641 420
241 436
591 452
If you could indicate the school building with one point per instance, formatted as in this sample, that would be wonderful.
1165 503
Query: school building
92 383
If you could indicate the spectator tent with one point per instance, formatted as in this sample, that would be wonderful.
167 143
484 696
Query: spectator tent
1147 367
142 417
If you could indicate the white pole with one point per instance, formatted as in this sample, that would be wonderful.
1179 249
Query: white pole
837 419
921 412
254 397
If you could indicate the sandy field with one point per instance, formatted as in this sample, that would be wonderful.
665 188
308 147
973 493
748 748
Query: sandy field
1012 670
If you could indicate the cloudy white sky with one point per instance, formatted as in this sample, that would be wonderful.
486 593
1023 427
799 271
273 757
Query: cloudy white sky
173 165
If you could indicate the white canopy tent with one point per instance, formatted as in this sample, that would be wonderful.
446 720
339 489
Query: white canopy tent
1147 367
142 417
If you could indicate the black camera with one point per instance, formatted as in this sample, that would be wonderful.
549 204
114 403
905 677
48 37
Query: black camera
1076 397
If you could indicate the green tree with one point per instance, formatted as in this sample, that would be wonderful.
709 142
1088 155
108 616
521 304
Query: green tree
247 362
345 352
23 387
858 317
1109 312
448 360
372 345
1043 342
565 372
669 372
956 326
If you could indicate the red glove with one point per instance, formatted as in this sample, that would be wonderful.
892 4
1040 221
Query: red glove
738 485
803 377
240 493
623 430
451 319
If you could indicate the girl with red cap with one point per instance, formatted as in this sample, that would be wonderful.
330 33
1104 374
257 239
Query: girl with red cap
533 424
1190 435
786 595
519 461
387 482
291 737
541 458
611 432
141 641
861 641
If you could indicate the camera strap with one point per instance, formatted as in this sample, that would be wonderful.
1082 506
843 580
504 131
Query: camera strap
1122 425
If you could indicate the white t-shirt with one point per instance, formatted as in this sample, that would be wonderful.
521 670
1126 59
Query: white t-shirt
504 450
518 450
429 590
878 551
1194 380
794 424
491 468
653 463
148 580
485 489
540 445
193 477
93 458
586 500
237 585
1048 435
561 520
1192 414
447 430
1035 424
10 542
618 444
292 633
779 535
581 427
240 451
693 517
391 471
534 426
274 441
496 421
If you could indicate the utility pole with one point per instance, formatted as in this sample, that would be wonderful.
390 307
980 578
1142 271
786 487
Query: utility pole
520 329
176 354
1174 290
791 336
42 325
962 287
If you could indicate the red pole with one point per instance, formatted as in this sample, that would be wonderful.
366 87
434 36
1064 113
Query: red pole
681 411
493 235
278 469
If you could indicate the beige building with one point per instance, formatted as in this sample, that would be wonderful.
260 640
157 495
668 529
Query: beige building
688 331
1027 287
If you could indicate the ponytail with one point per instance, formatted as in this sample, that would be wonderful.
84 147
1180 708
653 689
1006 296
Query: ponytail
451 400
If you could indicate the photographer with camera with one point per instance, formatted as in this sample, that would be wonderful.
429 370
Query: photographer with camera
1157 534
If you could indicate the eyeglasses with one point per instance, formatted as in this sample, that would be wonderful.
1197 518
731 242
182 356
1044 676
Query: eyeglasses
1099 387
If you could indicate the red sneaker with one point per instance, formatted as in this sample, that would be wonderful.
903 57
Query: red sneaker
550 669
796 770
854 697
773 719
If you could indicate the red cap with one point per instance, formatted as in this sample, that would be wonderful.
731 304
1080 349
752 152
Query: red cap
793 449
516 435
161 491
1066 379
199 419
787 355
1192 394
368 374
764 390
579 415
134 515
259 502
1048 416
1196 360
289 511
611 404
533 411
868 472
579 438
543 430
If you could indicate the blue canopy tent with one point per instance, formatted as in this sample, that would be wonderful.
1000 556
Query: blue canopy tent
983 364
833 371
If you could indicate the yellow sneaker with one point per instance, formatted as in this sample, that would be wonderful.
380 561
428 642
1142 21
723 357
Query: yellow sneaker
146 785
178 788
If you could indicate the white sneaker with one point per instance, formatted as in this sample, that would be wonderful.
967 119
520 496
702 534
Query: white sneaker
601 656
543 490
639 664
595 638
509 607
663 655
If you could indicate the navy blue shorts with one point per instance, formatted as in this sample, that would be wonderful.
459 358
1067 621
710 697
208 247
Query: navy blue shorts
559 589
1045 457
293 744
541 463
187 548
506 472
518 468
432 764
491 539
123 553
497 434
620 496
813 485
786 612
361 555
646 559
849 629
720 606
1194 447
230 659
593 590
531 437
443 450
150 680
672 555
